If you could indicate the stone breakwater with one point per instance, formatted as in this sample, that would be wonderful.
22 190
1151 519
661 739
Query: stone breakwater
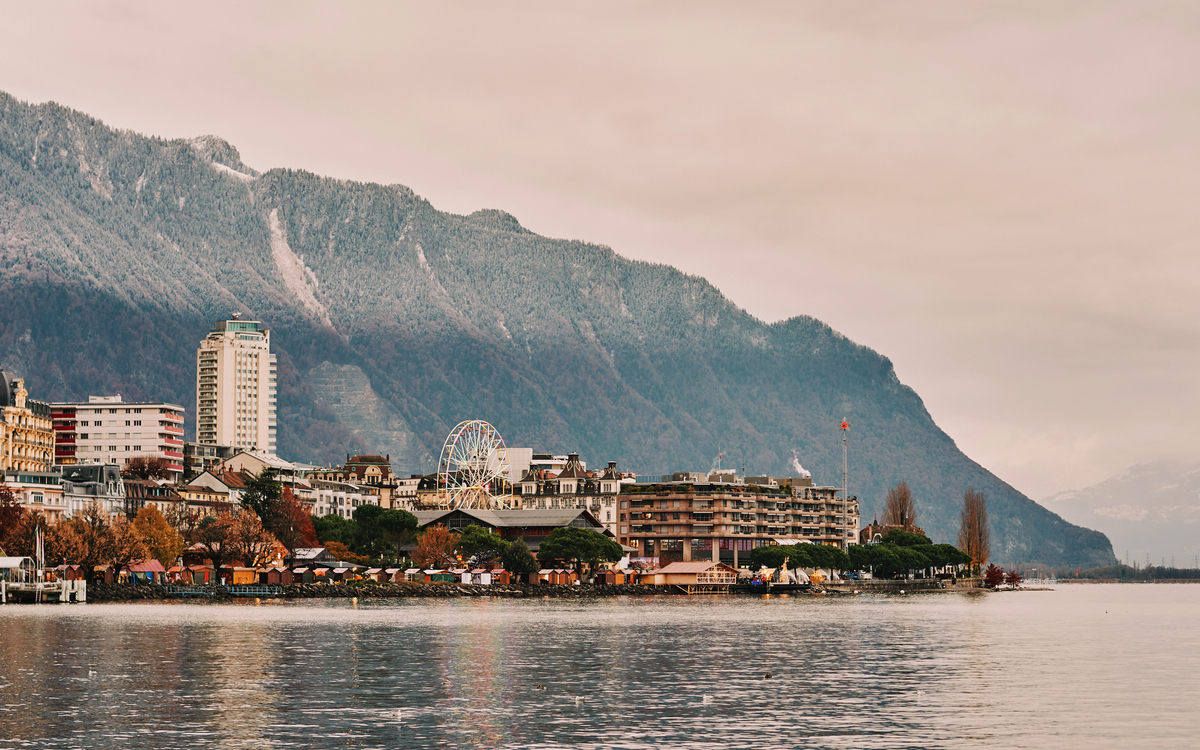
444 590
125 592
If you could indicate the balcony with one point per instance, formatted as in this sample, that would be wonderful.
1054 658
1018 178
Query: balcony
173 441
172 429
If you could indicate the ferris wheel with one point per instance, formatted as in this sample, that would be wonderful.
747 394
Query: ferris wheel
474 463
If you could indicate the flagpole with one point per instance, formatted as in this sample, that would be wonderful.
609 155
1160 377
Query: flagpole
845 489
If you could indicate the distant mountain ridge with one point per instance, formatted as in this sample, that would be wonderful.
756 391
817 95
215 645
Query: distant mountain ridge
1150 509
393 321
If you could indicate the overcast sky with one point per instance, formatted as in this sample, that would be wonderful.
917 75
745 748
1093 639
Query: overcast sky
1002 197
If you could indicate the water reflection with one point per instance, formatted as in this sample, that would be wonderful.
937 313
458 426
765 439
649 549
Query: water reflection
1102 666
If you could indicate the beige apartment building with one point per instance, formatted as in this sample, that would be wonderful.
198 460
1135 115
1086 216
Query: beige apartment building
107 430
236 386
694 518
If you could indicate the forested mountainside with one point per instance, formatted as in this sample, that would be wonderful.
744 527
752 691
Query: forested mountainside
393 321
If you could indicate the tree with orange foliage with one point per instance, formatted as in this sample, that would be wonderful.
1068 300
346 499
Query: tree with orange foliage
249 541
125 545
11 515
435 548
163 543
342 552
293 525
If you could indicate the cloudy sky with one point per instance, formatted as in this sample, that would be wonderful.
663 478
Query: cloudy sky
1002 197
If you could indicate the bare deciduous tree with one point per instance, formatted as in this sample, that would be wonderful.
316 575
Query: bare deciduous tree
974 534
147 467
900 508
249 542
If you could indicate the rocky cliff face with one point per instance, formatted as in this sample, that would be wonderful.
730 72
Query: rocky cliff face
393 321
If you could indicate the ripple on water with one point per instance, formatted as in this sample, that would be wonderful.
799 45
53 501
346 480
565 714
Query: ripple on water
1101 666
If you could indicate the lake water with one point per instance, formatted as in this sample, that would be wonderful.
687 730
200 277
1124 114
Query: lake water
1081 666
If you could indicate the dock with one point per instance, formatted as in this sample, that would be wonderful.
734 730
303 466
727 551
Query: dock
37 592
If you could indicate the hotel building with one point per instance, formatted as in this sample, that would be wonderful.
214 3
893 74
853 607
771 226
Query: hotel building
235 386
26 434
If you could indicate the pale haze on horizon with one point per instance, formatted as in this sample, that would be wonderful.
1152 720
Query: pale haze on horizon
1000 197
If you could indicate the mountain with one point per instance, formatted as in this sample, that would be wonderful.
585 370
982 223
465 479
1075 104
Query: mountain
393 321
1151 509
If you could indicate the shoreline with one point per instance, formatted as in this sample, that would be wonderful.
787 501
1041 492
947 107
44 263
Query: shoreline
143 592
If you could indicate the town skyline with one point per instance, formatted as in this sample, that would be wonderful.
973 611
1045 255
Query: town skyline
979 231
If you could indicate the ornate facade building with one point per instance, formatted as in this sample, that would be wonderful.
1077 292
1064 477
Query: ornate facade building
26 428
374 478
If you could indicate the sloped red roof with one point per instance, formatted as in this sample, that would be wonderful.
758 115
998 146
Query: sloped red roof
147 566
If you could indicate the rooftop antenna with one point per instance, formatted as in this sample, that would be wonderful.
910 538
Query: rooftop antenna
845 493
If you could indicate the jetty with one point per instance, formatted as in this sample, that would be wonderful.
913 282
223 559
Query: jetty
61 592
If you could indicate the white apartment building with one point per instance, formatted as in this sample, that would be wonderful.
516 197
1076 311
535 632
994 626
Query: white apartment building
235 386
106 430
341 498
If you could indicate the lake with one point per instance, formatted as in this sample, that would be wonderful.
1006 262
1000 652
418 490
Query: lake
1081 666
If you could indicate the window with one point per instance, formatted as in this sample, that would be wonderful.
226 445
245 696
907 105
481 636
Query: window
127 449
83 436
83 423
137 447
137 423
126 422
112 448
98 423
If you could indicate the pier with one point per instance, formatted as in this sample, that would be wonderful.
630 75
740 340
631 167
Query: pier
61 592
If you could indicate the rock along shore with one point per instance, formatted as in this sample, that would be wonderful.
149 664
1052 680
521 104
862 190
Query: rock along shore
124 592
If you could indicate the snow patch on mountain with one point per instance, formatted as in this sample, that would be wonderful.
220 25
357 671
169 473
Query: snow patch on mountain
232 172
296 275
